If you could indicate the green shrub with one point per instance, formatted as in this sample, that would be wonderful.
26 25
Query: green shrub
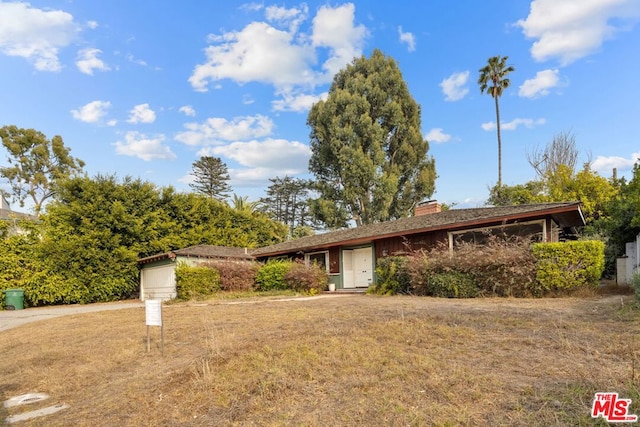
569 265
46 288
306 278
500 267
392 276
452 284
194 282
636 285
271 275
236 276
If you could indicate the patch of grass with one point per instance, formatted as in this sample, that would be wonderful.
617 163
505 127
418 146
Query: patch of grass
344 360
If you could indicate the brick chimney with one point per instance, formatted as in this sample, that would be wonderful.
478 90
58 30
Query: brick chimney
427 208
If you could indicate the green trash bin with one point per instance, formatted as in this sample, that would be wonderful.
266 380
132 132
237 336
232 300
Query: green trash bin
14 299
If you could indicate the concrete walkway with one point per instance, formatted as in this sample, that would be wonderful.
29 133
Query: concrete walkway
13 318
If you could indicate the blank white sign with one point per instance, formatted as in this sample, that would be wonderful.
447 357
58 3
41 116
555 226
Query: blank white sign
154 312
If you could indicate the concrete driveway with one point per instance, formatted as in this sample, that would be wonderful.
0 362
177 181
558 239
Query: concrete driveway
12 318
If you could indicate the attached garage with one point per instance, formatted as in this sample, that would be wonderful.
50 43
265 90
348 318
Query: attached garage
158 272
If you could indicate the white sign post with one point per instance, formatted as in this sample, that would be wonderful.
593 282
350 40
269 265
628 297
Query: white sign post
153 311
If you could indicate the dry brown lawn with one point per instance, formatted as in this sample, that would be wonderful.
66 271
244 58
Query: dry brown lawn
343 361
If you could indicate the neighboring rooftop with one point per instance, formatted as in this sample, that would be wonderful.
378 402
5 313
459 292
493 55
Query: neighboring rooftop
201 251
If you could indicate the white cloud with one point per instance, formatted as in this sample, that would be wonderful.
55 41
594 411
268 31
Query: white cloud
288 17
605 165
297 102
437 136
513 124
407 38
35 34
334 28
216 130
570 30
93 112
141 114
261 52
146 148
271 153
258 53
129 57
454 86
187 110
540 84
88 61
92 25
261 160
247 99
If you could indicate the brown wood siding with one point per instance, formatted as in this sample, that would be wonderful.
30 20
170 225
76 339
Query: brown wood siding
399 245
334 260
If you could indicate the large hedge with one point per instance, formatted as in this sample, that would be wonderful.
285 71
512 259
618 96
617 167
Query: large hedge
569 265
499 268
85 247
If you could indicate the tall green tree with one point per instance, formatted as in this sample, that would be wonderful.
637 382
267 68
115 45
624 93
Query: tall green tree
369 157
36 164
493 80
287 201
211 177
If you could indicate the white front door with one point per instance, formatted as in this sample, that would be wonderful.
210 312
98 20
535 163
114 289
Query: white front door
362 267
357 268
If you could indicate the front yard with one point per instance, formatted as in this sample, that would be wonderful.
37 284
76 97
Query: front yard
345 360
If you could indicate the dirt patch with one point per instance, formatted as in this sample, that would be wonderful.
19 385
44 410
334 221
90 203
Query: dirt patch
352 360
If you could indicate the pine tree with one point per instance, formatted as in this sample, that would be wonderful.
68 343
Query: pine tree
211 178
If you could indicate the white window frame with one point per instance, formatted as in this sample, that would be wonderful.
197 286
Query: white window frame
307 258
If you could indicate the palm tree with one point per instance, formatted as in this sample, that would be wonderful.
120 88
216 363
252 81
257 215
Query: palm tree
495 73
242 204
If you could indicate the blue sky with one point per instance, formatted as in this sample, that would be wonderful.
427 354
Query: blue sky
145 88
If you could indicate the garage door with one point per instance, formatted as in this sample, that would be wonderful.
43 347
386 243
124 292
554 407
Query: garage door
158 282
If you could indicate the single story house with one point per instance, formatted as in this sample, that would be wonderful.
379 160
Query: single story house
350 255
158 272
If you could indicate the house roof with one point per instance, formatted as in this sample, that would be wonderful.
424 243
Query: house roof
565 214
201 251
8 214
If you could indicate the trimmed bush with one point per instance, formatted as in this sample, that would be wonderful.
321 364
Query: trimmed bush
195 282
392 276
569 265
452 284
236 276
271 275
306 278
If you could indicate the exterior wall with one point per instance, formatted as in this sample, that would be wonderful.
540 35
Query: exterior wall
399 245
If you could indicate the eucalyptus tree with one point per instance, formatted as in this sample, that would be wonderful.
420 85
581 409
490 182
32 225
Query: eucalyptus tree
493 80
369 156
36 164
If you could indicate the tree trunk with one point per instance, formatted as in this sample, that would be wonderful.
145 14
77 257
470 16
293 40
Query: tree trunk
499 143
